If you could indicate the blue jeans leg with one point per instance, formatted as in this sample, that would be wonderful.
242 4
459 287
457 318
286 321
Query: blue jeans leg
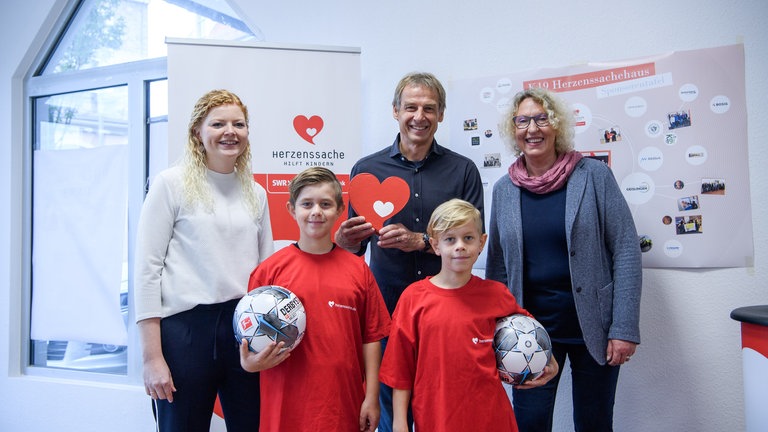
534 408
385 402
593 391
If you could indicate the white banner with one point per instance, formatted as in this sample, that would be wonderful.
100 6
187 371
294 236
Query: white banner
303 103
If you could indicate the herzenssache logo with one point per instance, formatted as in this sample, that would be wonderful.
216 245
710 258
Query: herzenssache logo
308 128
333 304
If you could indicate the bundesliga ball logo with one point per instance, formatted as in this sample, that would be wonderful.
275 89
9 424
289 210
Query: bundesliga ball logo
522 348
269 314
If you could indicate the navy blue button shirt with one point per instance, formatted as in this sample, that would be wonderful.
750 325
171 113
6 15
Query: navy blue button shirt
442 175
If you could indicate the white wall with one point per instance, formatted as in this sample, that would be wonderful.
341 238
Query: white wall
686 375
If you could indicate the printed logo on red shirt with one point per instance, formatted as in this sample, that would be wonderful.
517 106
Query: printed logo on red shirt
333 304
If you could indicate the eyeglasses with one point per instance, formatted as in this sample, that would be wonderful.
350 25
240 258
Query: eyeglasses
522 122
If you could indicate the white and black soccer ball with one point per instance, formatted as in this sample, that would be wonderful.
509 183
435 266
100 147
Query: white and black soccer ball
269 314
522 348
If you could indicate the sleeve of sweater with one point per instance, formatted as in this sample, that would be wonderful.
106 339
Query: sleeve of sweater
495 265
623 246
266 243
154 233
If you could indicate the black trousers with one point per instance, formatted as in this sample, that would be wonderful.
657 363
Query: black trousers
593 392
201 351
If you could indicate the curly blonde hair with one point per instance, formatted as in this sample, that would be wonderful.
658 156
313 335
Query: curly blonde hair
560 118
196 187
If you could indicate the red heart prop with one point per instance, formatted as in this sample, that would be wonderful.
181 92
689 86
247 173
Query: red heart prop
308 128
378 201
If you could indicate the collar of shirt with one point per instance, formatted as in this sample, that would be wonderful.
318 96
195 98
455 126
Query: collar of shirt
394 152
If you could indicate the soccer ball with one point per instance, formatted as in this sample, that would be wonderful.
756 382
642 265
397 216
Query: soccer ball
522 348
269 313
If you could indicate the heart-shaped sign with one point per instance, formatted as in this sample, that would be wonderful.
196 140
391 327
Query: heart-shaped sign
308 128
378 201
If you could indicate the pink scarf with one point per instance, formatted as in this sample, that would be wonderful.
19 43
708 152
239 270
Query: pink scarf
552 180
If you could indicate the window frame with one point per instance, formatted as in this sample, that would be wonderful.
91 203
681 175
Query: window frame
137 76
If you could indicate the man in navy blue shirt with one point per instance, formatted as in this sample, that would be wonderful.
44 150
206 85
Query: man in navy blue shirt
400 252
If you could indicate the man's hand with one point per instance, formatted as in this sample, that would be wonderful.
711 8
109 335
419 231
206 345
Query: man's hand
352 232
397 236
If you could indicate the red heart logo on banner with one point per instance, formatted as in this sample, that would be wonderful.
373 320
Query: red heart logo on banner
378 201
308 128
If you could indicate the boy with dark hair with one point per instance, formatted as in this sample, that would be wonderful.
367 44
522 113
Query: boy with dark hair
330 380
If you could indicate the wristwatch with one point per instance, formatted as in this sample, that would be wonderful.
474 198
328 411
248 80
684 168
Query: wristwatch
427 246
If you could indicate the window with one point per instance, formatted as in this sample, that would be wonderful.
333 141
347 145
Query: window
109 32
97 108
79 205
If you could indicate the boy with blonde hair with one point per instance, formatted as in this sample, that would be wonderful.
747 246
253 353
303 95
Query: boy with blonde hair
440 355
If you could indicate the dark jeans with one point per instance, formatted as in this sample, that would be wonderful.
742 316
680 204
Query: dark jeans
200 349
385 402
594 391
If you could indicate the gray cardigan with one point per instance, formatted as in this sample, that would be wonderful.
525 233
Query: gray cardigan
605 262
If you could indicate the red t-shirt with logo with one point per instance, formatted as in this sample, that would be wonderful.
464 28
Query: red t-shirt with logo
321 385
441 347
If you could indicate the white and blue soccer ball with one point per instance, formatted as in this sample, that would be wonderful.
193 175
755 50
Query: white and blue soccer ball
522 348
269 314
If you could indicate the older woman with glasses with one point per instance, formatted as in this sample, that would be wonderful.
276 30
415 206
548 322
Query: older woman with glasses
563 240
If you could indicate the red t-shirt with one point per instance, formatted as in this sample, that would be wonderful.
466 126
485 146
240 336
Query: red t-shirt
321 385
441 347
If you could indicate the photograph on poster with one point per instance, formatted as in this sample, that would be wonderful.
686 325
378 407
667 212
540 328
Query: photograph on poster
645 243
688 203
492 160
612 134
601 155
713 186
688 224
679 119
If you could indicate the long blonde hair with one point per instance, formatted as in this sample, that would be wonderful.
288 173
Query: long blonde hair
196 187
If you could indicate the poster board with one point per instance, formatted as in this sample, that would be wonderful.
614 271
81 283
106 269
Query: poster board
672 127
